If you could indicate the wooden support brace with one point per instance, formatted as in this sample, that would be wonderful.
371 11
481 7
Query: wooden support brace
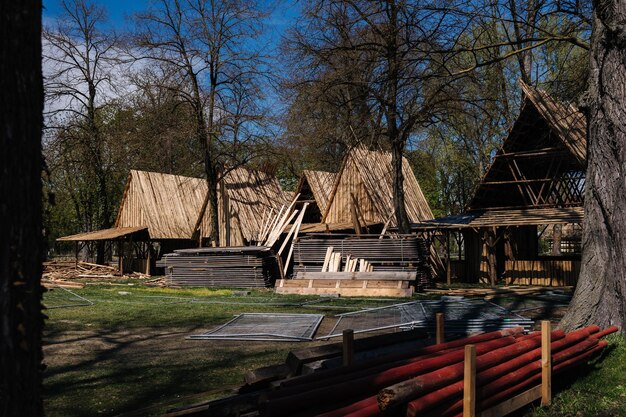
469 382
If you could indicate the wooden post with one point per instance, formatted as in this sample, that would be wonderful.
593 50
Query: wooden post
148 258
120 254
76 253
439 329
448 263
469 382
348 347
546 363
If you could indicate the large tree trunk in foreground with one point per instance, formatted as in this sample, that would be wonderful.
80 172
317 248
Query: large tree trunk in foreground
21 243
600 296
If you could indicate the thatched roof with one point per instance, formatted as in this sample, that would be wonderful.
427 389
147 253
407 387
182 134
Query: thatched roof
542 161
170 205
365 178
317 183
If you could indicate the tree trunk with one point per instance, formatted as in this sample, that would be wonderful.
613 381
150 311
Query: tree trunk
600 296
398 188
21 244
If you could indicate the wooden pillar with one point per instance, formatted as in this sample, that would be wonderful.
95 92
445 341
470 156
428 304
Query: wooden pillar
469 382
76 253
448 263
546 363
489 238
120 254
439 328
148 257
348 347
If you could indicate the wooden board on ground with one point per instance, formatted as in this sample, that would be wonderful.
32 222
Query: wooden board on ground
357 275
345 288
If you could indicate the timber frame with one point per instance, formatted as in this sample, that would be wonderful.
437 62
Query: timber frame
535 181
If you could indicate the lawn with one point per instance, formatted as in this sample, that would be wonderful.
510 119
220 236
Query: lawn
127 353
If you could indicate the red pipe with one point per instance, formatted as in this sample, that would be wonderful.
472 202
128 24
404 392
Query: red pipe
433 349
445 394
415 387
369 384
502 388
606 332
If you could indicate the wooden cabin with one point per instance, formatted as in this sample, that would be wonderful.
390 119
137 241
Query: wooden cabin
535 181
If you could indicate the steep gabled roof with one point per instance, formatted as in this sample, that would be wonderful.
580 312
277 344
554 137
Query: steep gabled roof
567 122
320 184
170 205
542 161
366 176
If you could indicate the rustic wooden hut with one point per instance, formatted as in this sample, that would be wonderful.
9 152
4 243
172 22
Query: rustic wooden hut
535 180
363 191
171 209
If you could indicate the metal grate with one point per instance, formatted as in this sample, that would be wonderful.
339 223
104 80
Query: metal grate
461 316
265 327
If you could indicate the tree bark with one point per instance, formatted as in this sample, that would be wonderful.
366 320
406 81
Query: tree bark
21 244
600 296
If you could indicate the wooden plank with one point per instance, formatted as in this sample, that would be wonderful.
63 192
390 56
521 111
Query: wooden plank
469 382
329 252
512 404
299 223
546 363
349 292
358 275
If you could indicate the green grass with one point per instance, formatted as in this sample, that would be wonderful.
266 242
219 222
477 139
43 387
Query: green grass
128 351
598 390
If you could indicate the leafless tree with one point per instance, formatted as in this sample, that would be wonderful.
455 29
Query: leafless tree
80 59
211 45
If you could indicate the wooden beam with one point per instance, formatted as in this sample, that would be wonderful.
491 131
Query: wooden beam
508 406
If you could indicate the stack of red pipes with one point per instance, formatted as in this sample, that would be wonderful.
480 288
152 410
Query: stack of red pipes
429 381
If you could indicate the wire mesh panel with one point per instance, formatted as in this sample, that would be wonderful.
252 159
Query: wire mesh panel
461 316
266 327
59 297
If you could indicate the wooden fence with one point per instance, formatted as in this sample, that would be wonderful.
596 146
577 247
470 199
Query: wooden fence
551 272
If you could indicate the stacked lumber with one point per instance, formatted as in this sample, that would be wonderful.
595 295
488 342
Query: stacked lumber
227 267
424 381
406 254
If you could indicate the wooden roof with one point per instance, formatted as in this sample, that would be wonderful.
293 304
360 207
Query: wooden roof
565 120
517 217
542 161
366 178
107 234
320 184
170 205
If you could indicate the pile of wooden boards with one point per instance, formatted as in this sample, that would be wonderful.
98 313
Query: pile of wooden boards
503 366
227 267
358 266
61 273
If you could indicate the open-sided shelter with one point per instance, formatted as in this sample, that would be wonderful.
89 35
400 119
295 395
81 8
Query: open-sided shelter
172 209
536 180
314 187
